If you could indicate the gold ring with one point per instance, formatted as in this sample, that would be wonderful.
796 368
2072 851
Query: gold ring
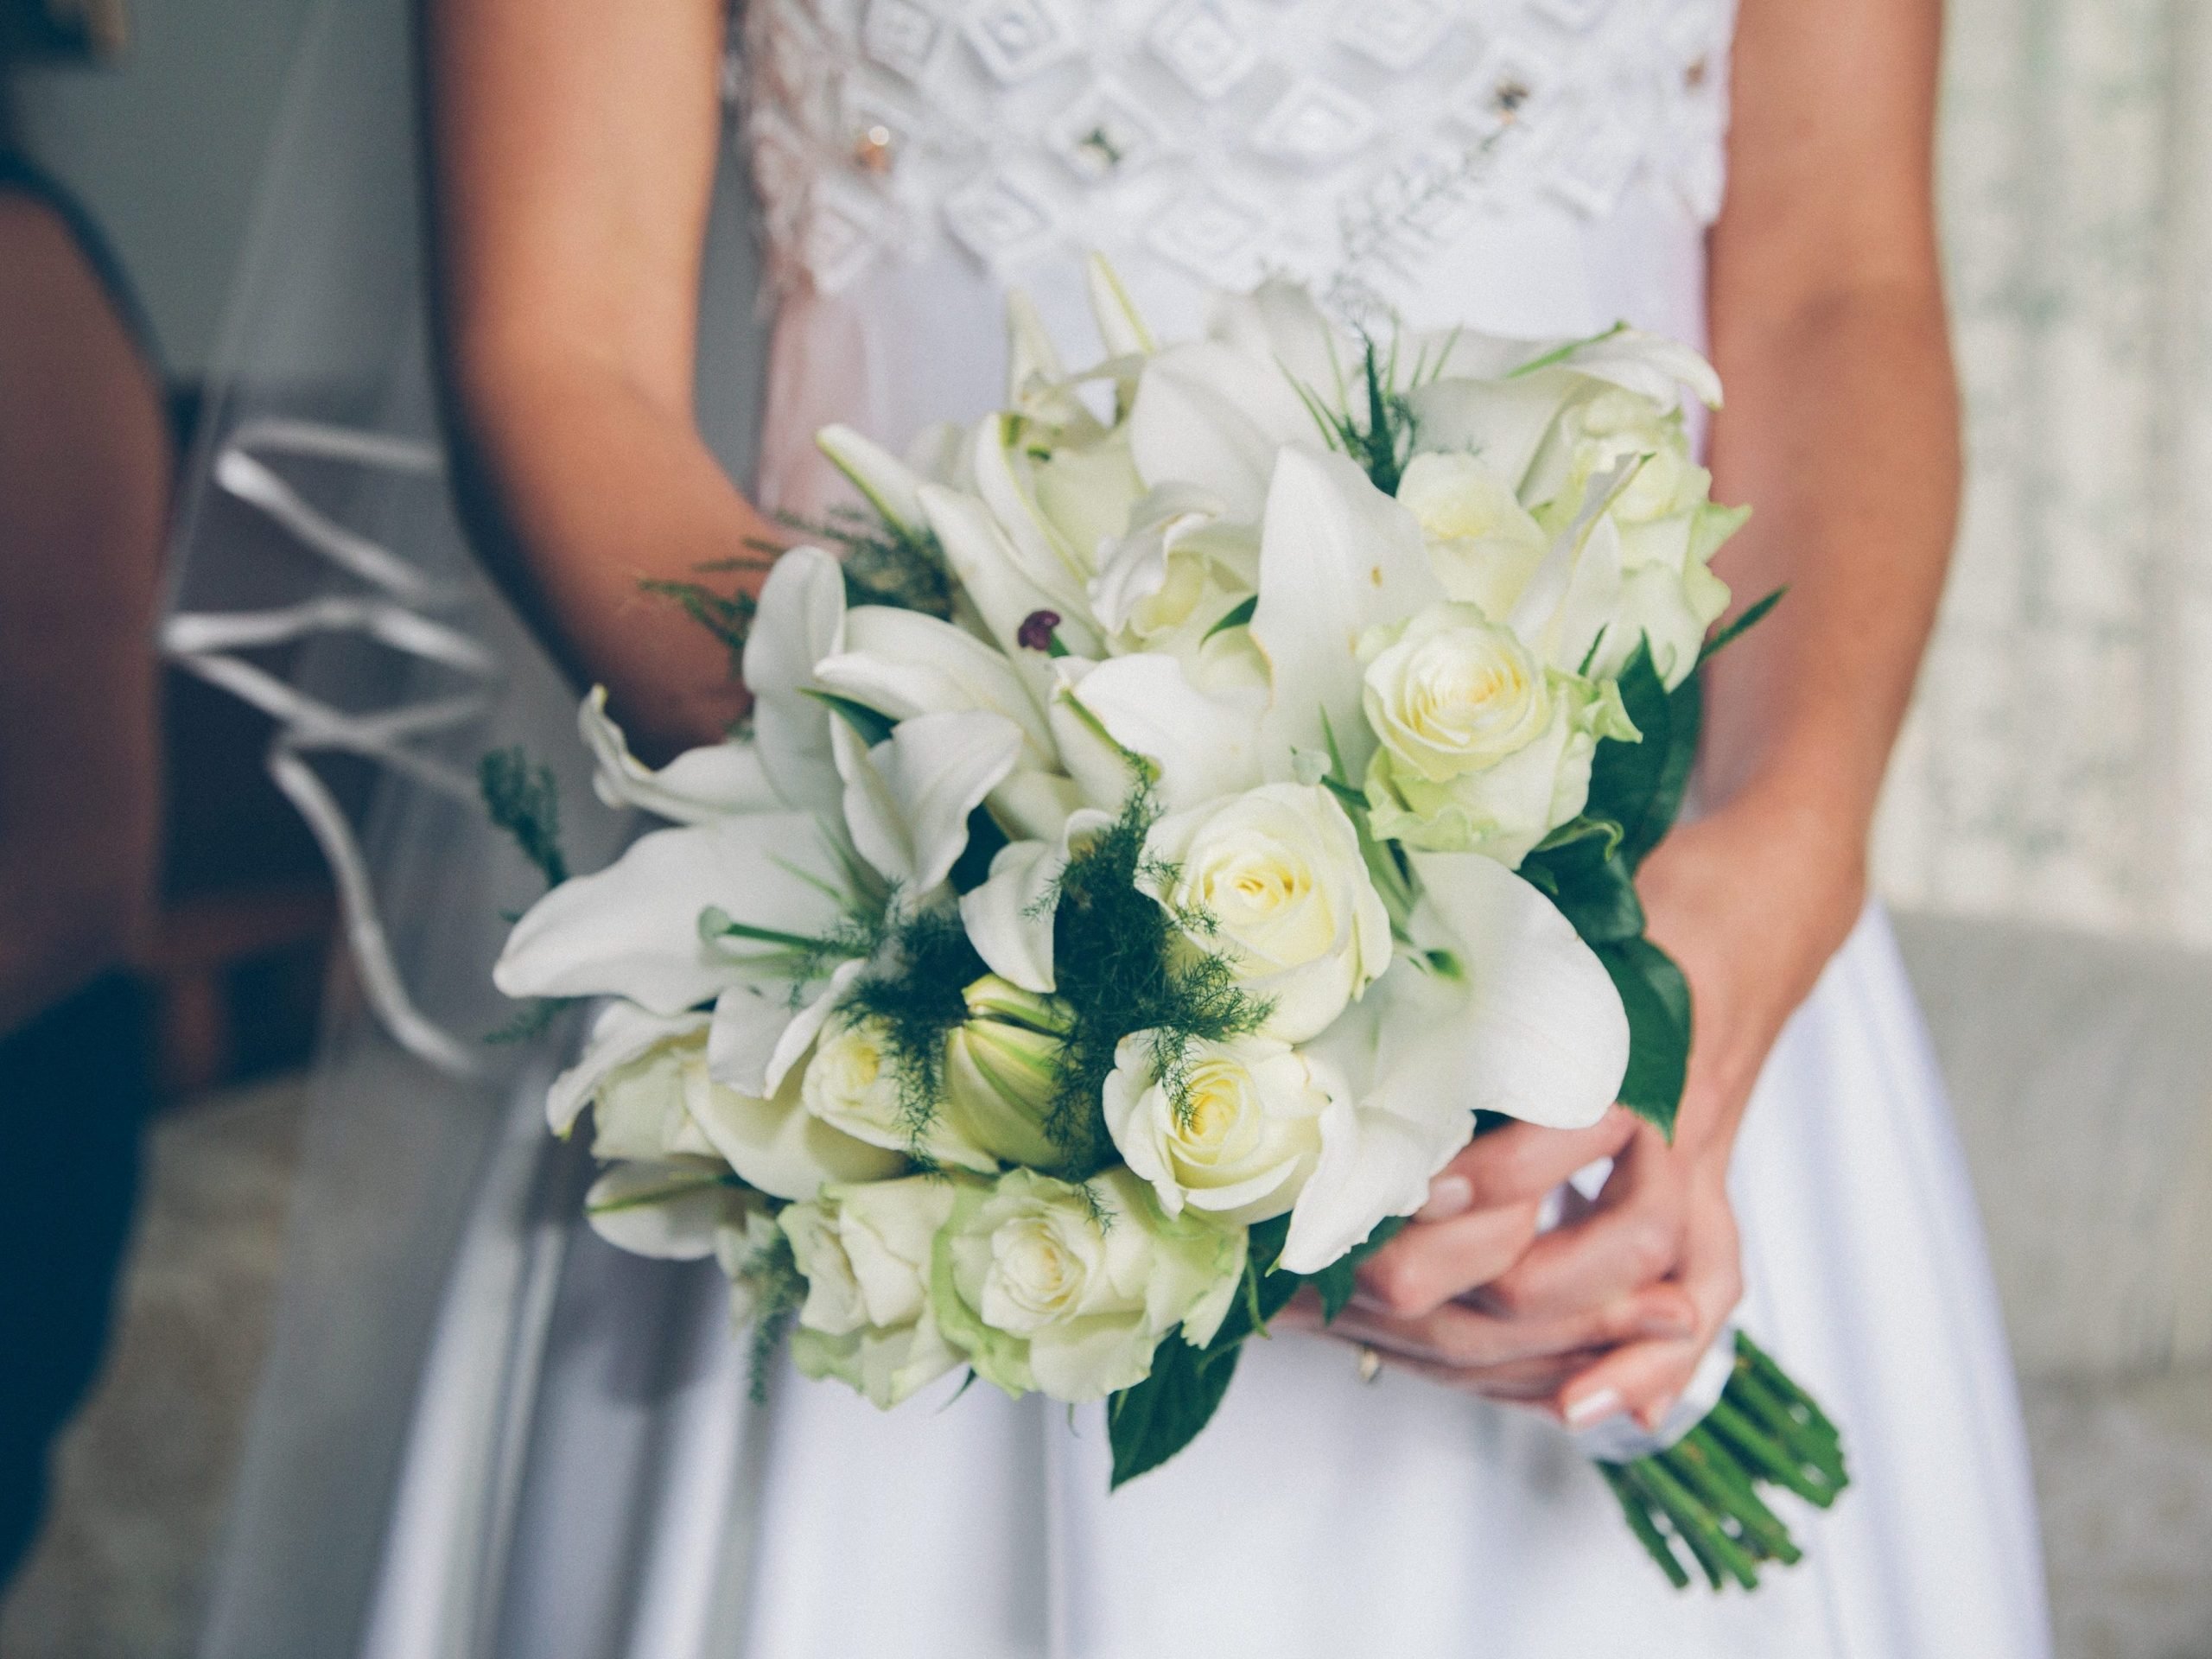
1370 1363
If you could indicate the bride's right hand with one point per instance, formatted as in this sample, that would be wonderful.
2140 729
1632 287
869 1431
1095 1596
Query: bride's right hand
1417 1301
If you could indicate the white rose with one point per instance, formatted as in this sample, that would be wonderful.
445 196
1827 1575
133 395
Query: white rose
1668 526
1067 1290
653 1100
1481 748
1168 584
866 1254
1483 542
1242 1138
854 1083
1274 881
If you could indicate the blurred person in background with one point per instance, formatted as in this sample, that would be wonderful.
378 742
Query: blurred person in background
85 475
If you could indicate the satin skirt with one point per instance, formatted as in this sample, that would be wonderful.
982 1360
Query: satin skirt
593 1474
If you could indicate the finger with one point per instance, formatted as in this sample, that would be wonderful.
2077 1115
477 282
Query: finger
1429 1263
1522 1162
1632 1237
1531 1382
1459 1336
1646 1378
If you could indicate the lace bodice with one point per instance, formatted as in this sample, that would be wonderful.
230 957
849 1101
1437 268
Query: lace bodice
1335 140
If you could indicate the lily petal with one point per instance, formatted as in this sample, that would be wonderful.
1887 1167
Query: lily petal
1004 594
1213 416
1006 918
666 1210
889 483
800 620
621 1033
760 1031
717 781
1336 557
779 1147
907 799
631 929
1201 744
1542 1035
905 664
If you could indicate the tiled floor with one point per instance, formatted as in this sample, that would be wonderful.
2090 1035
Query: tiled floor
142 1477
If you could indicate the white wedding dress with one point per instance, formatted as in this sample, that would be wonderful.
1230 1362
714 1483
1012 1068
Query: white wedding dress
586 1477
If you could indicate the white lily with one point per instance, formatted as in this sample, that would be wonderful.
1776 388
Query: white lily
717 781
892 486
671 1209
1509 1012
1199 743
1336 557
800 619
1006 918
999 583
907 798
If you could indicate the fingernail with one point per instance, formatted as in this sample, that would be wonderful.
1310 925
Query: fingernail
1664 1325
1655 1414
1593 1407
1448 1196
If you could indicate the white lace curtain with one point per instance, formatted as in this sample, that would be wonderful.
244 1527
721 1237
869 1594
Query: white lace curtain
2058 763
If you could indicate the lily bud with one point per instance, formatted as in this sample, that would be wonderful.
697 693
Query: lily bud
1001 1071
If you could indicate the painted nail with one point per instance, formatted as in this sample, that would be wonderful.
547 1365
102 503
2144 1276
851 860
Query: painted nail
1448 1196
1593 1407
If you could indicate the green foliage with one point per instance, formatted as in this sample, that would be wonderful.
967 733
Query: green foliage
1703 1493
1640 785
1125 963
727 616
531 1021
1151 1422
778 1290
918 1001
1657 1001
884 565
524 801
1753 615
1336 1281
1380 435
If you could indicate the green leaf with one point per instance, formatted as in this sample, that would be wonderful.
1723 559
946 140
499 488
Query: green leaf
1657 1001
1239 615
1640 785
1593 887
874 725
1150 1423
1336 1281
1752 616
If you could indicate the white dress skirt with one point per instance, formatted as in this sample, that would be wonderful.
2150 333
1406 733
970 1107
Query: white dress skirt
587 1476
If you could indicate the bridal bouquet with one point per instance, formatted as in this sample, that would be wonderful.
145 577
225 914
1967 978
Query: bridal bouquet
1201 796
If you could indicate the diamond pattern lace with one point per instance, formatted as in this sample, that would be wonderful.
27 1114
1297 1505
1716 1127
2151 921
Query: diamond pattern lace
1333 140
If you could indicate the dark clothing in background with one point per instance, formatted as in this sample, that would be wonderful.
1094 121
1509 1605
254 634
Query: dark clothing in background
74 1095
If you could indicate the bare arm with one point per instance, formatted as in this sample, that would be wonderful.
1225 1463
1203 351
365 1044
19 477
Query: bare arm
1841 430
575 148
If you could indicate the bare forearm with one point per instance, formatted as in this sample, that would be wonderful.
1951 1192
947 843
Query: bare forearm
1841 430
581 493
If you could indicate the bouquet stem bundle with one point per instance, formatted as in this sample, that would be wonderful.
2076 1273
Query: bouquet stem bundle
1703 1490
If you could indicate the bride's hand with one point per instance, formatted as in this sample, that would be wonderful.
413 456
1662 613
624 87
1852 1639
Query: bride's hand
1752 909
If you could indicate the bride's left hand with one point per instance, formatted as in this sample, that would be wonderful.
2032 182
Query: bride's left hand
1612 1311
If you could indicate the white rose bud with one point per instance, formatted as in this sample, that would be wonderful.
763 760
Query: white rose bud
1067 1290
1482 749
653 1101
853 1083
1275 883
1670 527
1239 1137
1482 541
866 1254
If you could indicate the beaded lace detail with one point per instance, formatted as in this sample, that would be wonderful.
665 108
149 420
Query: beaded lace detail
1333 140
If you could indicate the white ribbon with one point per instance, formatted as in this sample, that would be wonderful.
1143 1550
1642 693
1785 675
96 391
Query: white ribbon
205 643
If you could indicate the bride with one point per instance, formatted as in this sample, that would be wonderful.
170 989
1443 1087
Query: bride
1757 182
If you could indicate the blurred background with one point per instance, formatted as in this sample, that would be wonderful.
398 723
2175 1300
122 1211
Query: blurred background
2046 839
